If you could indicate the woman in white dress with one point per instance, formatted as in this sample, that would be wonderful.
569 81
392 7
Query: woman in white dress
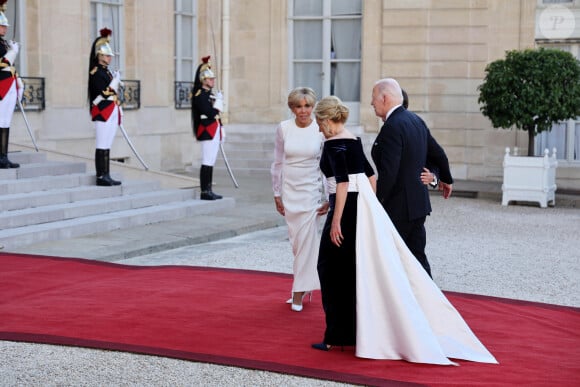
298 189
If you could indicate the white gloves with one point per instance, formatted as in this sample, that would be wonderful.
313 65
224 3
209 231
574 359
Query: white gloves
116 81
118 75
218 102
13 49
14 46
20 88
223 133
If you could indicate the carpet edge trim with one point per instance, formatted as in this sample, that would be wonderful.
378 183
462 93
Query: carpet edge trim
299 371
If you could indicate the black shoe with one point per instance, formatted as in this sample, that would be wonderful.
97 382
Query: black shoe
322 346
6 164
216 195
107 181
207 195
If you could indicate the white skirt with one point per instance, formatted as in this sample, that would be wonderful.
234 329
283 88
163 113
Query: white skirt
302 197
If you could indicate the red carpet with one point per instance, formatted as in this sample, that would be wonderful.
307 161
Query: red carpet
239 318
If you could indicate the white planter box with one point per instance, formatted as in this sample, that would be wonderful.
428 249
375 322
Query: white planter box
529 179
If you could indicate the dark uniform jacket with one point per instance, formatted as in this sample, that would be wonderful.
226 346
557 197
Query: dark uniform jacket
205 117
6 77
99 79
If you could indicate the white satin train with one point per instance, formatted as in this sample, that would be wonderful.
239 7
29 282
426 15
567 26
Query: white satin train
401 313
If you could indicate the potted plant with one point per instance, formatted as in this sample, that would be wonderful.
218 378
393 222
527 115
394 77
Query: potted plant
530 90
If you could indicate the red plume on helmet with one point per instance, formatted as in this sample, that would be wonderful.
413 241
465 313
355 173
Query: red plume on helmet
105 32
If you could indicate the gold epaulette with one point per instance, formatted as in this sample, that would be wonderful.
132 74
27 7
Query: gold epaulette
4 65
93 71
198 92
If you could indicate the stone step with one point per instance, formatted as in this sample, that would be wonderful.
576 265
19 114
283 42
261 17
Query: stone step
243 147
45 201
254 138
45 168
80 209
71 228
245 163
19 201
27 157
243 171
17 186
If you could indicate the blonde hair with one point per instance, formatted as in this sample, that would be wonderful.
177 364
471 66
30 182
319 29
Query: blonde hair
331 108
300 93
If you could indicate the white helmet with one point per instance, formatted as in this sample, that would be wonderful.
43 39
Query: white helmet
205 74
3 20
104 49
204 70
102 43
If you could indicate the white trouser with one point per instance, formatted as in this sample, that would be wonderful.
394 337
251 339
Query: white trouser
209 150
7 106
105 131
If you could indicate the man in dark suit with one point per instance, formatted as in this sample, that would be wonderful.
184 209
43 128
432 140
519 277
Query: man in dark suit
402 148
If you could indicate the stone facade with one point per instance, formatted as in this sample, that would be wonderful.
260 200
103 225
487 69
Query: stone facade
437 49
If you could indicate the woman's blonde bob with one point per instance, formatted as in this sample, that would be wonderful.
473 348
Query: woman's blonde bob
298 94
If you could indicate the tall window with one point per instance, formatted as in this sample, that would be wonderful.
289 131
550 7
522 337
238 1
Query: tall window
185 42
564 136
109 13
325 48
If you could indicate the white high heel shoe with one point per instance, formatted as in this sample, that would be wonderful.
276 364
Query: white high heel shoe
296 307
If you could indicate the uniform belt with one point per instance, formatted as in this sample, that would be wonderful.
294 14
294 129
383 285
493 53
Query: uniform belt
100 99
203 117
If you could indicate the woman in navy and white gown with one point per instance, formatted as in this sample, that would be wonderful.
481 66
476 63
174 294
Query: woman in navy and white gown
375 294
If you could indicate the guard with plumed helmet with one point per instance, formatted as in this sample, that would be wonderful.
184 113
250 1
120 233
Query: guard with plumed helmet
103 90
207 129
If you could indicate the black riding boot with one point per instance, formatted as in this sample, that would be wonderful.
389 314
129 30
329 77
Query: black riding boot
205 178
102 168
210 173
204 182
4 162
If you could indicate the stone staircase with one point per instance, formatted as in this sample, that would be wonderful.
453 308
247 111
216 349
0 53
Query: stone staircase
47 200
249 148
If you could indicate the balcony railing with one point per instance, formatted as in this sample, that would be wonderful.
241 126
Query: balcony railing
131 94
33 97
183 94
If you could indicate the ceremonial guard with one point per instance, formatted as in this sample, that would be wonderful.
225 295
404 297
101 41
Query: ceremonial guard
206 107
11 87
103 89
